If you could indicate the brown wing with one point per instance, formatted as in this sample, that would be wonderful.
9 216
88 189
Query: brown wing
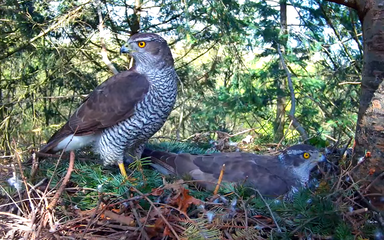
111 102
263 173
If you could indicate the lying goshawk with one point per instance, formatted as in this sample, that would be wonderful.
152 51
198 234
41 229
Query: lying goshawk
122 113
270 175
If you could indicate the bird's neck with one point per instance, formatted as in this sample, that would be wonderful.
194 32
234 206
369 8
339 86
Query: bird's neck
301 172
165 76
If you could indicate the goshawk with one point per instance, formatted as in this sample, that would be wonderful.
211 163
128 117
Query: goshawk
270 175
122 113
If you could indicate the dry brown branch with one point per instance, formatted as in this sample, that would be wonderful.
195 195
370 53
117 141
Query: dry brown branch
127 220
158 212
219 180
358 211
52 205
351 83
137 217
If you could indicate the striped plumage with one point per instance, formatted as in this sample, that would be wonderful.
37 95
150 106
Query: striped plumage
151 113
122 113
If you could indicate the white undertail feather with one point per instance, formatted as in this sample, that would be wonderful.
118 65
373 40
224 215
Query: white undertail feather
71 142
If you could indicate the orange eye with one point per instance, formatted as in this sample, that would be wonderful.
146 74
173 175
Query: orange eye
306 155
141 44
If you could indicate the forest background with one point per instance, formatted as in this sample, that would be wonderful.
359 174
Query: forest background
281 72
227 57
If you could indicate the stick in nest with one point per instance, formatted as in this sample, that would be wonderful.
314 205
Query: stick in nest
158 212
219 180
65 181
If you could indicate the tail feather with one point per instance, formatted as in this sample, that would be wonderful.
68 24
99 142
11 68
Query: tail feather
164 162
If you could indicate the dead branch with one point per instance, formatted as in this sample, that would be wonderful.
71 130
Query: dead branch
61 21
352 83
158 212
102 34
269 209
64 183
137 217
219 180
291 114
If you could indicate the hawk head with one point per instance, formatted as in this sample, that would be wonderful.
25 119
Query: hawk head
301 159
150 52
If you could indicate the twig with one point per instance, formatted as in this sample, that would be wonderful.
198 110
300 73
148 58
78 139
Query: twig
102 34
377 212
100 200
291 114
35 165
352 83
145 222
64 183
144 233
358 211
269 209
228 235
374 180
22 177
219 180
242 132
158 212
278 145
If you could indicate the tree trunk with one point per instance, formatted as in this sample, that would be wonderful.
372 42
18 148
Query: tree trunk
369 138
135 24
280 82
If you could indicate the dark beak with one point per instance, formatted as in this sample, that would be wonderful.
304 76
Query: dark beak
124 49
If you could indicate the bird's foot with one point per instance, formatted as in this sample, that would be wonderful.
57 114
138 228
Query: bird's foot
124 174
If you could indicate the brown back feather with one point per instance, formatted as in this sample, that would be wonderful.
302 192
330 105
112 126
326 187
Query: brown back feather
111 102
264 173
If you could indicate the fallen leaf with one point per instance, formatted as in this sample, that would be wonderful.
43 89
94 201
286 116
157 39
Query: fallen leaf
157 192
183 200
127 220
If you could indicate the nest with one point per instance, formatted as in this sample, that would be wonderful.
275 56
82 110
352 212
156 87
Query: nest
152 207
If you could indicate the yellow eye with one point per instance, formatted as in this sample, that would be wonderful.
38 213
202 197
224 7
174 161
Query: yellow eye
306 155
141 44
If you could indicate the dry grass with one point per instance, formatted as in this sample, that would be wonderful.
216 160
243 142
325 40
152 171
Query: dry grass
171 210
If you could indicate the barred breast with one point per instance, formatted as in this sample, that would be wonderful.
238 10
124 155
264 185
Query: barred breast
150 115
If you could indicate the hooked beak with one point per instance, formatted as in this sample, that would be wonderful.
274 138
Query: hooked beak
322 158
125 49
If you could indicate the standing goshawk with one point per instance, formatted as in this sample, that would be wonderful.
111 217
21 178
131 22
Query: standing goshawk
270 175
122 113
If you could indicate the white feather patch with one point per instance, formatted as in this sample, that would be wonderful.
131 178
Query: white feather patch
75 142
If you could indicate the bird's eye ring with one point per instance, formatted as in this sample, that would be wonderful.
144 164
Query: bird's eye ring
306 155
141 44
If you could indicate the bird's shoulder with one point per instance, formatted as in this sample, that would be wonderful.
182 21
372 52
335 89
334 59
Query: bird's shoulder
239 165
124 82
111 102
212 162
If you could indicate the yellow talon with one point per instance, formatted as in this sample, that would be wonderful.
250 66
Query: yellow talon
122 170
124 174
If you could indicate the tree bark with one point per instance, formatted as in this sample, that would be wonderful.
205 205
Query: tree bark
370 125
280 82
135 24
369 138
